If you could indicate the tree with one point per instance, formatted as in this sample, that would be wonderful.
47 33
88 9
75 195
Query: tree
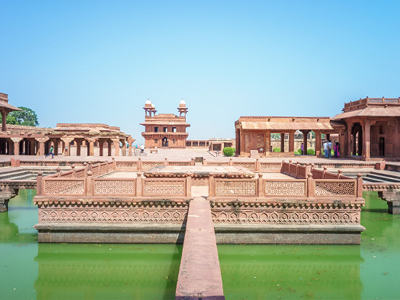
26 117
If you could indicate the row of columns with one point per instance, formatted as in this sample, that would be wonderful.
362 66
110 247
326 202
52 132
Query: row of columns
41 146
267 141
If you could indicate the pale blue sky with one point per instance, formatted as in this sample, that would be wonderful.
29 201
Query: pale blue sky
99 61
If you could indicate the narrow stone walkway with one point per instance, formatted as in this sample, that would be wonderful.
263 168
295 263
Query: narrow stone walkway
199 272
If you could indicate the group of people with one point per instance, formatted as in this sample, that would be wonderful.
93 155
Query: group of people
328 149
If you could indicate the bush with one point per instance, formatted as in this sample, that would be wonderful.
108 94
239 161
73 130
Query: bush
300 152
297 153
276 150
310 152
228 151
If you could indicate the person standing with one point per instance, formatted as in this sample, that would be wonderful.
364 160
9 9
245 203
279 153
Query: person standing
142 148
51 152
329 146
326 149
302 148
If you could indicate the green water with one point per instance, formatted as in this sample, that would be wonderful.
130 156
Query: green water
84 271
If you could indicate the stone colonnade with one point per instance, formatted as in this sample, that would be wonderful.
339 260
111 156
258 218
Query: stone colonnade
62 145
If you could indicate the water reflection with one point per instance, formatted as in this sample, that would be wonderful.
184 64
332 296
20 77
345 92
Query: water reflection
291 272
72 271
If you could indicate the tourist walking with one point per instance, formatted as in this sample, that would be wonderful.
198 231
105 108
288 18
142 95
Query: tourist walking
51 152
326 149
329 146
336 149
142 148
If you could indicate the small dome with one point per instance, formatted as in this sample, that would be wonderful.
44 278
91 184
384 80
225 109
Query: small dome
182 102
148 101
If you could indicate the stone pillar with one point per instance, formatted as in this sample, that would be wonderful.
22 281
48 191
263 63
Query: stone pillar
367 139
67 142
56 143
78 147
9 148
4 121
318 143
360 141
267 142
33 146
109 142
124 148
282 142
343 143
116 147
305 144
101 148
91 147
354 150
291 142
392 197
241 142
16 145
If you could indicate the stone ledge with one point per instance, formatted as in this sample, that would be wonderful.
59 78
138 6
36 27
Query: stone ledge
277 234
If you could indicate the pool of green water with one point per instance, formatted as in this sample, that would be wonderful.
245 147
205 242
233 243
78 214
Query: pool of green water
107 271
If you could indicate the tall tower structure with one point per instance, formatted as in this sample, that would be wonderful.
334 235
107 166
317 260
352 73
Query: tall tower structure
165 130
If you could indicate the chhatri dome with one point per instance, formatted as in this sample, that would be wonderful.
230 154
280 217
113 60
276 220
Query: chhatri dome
182 103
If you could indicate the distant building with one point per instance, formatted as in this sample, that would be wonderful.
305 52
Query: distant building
165 130
83 139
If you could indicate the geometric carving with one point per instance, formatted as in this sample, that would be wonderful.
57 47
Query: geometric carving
64 187
323 188
106 214
164 187
235 187
115 187
297 188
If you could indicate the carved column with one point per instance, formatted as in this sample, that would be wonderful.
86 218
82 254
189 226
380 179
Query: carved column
67 142
4 121
109 142
305 134
367 139
124 148
267 142
91 146
360 141
42 141
16 145
78 146
291 142
241 142
318 143
282 142
116 147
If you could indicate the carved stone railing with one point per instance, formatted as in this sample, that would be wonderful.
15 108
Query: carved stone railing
295 169
301 189
134 187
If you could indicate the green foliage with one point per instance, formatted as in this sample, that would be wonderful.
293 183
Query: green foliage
297 153
229 151
26 117
310 152
276 150
275 136
299 150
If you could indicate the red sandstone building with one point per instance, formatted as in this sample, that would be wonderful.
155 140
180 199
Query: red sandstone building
84 139
368 129
165 130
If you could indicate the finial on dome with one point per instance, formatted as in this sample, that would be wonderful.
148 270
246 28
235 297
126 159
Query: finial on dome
182 103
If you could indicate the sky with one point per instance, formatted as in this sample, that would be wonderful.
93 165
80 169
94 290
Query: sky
99 61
